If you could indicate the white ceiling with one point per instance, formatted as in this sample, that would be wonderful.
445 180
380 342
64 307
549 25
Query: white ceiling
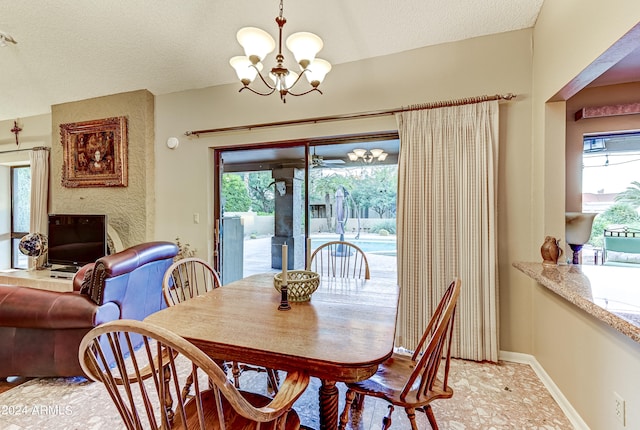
72 50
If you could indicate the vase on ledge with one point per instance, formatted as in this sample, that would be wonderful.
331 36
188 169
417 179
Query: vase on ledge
550 251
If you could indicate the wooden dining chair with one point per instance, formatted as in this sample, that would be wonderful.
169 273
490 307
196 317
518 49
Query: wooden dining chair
145 383
191 277
340 259
188 278
413 382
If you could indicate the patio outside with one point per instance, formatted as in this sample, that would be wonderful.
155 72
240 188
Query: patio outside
382 263
355 203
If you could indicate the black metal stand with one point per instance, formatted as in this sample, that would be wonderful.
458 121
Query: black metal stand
284 298
576 253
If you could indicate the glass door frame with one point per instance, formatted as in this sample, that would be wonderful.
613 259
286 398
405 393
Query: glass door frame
219 169
308 145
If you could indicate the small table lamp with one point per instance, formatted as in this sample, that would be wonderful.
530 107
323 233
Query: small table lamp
578 231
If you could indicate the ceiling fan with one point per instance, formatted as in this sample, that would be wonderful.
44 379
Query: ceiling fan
319 161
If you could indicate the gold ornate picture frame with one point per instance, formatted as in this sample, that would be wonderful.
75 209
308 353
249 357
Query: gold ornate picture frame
95 153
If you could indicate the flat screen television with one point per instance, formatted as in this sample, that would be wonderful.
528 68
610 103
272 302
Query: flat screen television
75 239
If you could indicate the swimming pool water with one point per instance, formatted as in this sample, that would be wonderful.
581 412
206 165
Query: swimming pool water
383 247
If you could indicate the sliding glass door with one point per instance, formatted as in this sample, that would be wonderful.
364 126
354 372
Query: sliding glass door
323 189
262 200
352 197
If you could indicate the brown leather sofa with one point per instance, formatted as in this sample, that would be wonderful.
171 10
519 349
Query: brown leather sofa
40 331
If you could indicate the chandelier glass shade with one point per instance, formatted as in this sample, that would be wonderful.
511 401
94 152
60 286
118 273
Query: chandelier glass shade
367 157
257 44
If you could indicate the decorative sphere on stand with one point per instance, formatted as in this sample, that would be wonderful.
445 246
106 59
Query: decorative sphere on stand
33 244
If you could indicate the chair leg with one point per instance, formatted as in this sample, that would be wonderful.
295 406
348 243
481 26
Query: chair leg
432 418
235 371
273 381
411 414
167 400
187 386
386 421
344 417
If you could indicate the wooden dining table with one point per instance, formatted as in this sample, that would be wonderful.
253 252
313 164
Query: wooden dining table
340 335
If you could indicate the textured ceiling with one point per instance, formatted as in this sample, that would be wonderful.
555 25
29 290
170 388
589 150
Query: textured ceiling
71 50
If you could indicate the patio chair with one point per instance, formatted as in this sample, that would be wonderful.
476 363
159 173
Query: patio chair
145 383
340 259
413 382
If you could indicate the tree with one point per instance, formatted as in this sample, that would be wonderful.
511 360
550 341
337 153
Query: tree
261 191
620 214
323 188
377 190
631 195
21 198
322 184
234 193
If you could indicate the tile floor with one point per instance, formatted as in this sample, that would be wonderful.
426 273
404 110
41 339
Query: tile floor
487 396
12 382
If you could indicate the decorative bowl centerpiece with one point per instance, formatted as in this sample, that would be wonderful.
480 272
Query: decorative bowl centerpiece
300 284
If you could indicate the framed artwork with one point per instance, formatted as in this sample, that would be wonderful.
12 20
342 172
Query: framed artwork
94 153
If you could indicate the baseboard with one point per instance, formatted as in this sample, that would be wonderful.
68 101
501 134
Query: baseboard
572 415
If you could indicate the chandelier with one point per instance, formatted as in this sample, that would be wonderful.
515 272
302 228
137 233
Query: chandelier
367 157
258 44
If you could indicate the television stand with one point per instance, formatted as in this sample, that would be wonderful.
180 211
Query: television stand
65 272
40 279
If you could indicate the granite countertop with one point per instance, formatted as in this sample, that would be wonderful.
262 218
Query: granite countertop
611 294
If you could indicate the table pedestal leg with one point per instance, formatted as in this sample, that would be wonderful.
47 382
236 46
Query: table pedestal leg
328 394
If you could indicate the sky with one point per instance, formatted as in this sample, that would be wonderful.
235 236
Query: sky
614 177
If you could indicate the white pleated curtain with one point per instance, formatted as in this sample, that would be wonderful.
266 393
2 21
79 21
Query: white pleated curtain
39 158
447 184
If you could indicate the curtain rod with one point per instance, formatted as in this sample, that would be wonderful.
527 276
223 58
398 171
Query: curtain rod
316 120
26 149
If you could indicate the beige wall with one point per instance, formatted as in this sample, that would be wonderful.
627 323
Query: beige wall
130 209
593 97
587 360
486 65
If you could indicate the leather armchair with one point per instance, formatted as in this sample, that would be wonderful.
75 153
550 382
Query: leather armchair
40 331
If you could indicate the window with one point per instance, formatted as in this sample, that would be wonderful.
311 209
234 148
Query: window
20 212
610 181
